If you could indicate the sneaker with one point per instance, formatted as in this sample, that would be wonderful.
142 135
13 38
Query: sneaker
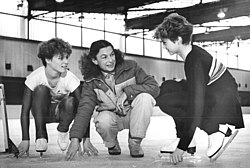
134 145
172 146
115 150
63 140
41 145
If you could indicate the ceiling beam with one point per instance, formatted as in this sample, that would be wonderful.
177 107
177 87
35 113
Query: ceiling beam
89 6
228 35
197 14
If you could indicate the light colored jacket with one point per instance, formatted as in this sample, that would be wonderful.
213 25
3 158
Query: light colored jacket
129 78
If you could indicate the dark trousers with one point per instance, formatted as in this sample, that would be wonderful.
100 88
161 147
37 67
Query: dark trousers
173 101
45 112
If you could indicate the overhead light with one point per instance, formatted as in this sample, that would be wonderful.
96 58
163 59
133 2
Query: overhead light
59 1
19 4
222 13
237 38
207 30
80 18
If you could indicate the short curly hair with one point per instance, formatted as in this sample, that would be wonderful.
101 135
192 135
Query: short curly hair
52 47
174 26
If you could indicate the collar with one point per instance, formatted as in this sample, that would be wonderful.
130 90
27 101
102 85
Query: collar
108 74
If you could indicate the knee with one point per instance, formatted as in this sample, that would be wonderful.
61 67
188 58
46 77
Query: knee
69 101
145 99
41 94
103 122
68 105
41 90
102 126
170 86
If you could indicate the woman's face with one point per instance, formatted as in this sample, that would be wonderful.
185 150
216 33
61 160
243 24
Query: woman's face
105 59
58 63
170 46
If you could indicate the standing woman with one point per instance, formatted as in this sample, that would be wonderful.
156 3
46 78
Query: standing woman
208 99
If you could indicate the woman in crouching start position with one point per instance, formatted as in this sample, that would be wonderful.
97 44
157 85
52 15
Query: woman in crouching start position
52 94
207 99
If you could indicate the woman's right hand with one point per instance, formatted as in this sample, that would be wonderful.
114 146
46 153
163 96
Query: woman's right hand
177 156
23 147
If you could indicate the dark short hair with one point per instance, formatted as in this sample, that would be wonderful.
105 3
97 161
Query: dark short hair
174 26
52 47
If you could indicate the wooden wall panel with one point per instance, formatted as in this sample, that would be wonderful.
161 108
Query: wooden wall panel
242 78
74 61
20 53
29 52
160 68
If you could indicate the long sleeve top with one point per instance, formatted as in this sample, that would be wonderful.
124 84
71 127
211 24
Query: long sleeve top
201 70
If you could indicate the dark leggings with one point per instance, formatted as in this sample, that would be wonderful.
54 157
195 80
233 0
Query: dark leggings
221 106
173 101
46 112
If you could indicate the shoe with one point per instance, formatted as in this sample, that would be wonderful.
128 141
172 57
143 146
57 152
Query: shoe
172 146
41 145
63 140
134 145
225 145
191 150
216 140
192 147
228 133
115 150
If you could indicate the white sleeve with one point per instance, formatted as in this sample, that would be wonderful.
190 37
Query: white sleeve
31 81
36 78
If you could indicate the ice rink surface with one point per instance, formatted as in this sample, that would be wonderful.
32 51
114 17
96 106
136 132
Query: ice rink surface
161 132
